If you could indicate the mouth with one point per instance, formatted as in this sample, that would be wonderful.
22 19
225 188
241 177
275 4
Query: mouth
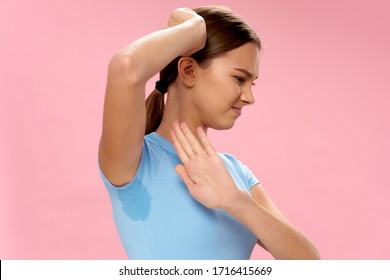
237 110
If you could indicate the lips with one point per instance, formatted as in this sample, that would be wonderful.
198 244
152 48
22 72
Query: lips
237 110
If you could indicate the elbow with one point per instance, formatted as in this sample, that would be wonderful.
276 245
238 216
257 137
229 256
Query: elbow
124 66
312 254
300 254
316 255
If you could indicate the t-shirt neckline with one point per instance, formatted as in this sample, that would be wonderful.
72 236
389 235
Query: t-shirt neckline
162 141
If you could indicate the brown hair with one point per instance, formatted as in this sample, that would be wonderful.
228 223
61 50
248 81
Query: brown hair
225 32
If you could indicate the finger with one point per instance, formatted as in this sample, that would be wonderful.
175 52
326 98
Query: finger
179 150
205 141
182 140
194 143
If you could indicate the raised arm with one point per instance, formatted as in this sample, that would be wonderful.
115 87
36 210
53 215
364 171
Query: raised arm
124 116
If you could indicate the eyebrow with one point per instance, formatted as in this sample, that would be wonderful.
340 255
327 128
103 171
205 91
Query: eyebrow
246 72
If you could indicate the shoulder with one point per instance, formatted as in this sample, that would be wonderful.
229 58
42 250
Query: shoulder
237 167
233 163
229 159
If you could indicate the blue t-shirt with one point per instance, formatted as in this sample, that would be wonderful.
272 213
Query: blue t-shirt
157 218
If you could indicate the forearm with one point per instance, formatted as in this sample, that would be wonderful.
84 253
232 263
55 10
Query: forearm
280 238
148 55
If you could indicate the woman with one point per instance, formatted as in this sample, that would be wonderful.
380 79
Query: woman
184 201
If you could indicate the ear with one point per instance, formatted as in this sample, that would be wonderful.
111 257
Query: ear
187 68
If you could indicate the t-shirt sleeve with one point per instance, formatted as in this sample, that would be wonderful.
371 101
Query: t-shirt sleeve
144 173
251 178
243 171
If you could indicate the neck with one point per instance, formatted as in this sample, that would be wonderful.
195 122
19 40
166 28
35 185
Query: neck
178 111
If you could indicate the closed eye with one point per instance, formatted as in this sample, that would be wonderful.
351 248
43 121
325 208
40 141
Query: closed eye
242 80
248 75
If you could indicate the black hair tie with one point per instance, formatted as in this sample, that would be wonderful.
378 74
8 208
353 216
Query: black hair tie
161 87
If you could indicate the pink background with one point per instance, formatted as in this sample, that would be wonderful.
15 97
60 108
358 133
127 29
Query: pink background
318 136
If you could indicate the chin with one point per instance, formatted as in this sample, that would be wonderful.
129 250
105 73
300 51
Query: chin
222 126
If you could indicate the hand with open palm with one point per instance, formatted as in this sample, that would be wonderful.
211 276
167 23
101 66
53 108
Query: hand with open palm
203 171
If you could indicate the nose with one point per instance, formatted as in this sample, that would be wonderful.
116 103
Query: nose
247 96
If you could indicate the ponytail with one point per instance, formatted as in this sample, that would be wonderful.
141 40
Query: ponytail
154 111
155 101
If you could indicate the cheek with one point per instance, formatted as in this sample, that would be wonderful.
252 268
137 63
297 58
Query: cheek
216 90
224 86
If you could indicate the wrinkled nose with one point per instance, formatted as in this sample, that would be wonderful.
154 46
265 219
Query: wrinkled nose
247 97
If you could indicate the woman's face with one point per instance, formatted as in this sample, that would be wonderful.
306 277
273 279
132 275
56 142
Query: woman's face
224 87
